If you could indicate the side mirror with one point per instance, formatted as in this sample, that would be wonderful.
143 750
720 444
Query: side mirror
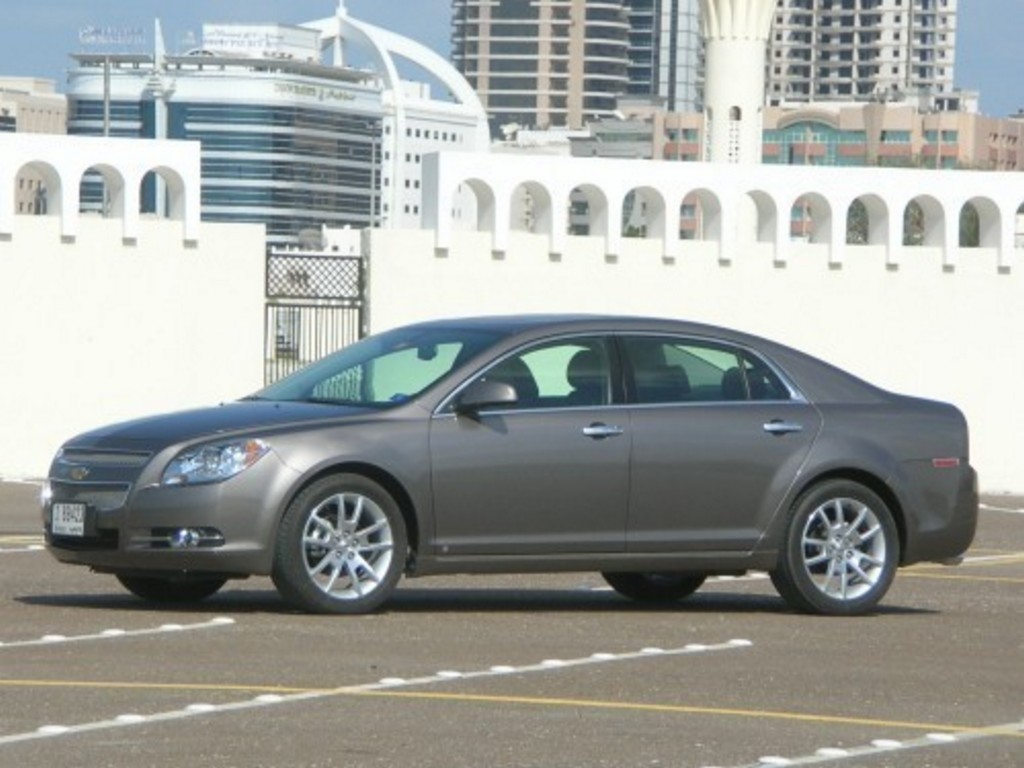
484 393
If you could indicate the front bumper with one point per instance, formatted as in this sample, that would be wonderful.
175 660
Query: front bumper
224 528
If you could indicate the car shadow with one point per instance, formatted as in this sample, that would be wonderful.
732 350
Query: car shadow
453 600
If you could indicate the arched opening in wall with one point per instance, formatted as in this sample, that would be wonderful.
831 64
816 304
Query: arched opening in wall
473 206
924 222
162 194
101 191
766 215
867 221
587 212
530 209
980 223
810 219
37 190
643 213
700 216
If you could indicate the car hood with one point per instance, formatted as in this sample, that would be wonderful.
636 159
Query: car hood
154 432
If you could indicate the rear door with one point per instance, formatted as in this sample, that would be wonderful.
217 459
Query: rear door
718 438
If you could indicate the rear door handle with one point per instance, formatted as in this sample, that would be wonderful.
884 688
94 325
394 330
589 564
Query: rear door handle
778 427
601 431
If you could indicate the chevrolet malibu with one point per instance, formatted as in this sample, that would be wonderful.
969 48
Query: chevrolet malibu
656 452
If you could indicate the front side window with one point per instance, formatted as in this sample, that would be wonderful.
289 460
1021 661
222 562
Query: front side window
668 370
560 374
382 370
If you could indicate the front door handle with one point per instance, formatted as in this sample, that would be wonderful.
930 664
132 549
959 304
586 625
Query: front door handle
779 427
601 431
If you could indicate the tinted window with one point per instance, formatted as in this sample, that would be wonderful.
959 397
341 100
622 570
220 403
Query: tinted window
560 374
385 369
684 370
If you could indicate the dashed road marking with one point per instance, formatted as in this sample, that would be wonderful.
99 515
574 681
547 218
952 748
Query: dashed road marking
382 686
13 543
879 746
109 634
992 508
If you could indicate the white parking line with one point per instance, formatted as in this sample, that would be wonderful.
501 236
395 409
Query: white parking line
879 746
109 634
385 684
1011 510
21 543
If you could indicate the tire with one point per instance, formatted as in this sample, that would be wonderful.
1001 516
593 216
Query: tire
655 587
164 590
840 552
341 547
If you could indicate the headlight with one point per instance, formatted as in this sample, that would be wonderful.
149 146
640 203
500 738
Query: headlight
213 462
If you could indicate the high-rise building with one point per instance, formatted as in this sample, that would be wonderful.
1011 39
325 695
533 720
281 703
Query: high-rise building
562 63
665 52
847 50
290 138
544 63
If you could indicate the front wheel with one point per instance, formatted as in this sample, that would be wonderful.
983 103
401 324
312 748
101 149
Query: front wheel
166 590
655 587
840 552
341 546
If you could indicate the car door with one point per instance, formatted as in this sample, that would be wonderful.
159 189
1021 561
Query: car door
546 474
718 438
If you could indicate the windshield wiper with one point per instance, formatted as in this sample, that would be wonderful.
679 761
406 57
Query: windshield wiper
331 401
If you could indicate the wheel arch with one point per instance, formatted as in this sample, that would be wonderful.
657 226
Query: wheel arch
383 478
872 482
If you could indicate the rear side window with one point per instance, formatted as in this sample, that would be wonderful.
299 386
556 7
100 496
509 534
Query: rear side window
668 370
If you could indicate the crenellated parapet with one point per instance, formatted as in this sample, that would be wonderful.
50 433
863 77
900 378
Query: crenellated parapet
124 164
731 206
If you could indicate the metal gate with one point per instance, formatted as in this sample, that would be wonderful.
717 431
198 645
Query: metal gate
315 305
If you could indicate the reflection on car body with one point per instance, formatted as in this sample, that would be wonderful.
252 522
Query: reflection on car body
656 452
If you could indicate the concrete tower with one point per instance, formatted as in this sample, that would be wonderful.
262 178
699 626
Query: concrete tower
735 37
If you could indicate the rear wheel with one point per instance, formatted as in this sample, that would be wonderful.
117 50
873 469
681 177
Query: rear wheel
168 590
841 550
655 587
341 546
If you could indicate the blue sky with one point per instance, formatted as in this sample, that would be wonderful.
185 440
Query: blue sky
37 35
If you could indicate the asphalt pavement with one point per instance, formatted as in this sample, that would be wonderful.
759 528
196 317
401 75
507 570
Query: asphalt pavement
524 671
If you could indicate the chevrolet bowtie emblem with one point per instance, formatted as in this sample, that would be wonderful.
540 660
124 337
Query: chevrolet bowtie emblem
79 473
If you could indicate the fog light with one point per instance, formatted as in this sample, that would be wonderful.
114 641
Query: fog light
185 538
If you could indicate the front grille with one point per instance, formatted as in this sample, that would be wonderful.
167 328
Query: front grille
94 458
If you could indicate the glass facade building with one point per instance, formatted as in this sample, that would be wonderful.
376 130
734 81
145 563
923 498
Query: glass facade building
288 139
269 154
665 52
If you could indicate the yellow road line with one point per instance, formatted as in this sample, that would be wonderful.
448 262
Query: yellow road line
524 700
683 709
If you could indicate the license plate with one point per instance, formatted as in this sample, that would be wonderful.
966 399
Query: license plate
68 520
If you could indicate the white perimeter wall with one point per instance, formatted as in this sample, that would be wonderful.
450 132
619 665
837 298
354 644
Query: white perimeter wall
94 329
919 327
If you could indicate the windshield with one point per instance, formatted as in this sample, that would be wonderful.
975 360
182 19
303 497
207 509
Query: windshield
382 370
